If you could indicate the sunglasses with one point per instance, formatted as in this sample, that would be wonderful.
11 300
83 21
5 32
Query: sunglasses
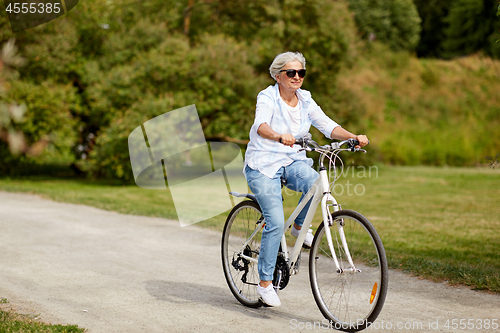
291 72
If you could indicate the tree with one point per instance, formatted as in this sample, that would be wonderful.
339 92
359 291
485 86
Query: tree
433 14
35 119
457 28
394 22
469 26
103 65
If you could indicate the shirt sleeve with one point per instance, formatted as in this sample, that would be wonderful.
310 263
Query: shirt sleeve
263 111
321 121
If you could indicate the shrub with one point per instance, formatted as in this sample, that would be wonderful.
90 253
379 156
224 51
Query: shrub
47 122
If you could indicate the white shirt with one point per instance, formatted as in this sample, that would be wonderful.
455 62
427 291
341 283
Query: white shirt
269 156
294 113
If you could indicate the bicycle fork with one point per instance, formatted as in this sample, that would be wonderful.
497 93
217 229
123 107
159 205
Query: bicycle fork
329 200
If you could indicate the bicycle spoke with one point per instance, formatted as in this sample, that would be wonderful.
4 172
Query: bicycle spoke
344 297
241 274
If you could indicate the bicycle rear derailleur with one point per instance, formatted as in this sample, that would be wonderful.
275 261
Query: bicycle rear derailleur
242 264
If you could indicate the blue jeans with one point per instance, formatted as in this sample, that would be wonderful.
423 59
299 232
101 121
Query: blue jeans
300 177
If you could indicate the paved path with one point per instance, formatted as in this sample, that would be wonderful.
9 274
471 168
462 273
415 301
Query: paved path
109 272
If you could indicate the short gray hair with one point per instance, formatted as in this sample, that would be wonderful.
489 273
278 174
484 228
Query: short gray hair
282 59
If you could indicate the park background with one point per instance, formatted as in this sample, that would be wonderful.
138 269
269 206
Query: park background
421 78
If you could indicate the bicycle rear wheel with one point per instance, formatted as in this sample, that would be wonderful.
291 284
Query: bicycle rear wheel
351 301
242 274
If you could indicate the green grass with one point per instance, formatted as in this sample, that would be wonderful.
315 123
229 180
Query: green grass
440 223
11 322
125 199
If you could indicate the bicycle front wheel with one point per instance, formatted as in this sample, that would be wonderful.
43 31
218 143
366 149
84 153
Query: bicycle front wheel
349 299
242 226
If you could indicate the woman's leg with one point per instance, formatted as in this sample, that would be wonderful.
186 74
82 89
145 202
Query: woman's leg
300 177
268 193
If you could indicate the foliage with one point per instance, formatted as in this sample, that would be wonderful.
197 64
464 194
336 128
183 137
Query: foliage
110 158
110 59
10 113
47 130
13 322
47 127
394 22
104 66
431 112
213 74
498 14
48 112
433 14
322 30
457 28
35 120
219 67
470 24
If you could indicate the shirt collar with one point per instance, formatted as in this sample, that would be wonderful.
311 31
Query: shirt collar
299 92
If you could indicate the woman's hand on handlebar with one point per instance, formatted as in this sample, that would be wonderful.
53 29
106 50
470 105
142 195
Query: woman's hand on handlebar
287 139
363 140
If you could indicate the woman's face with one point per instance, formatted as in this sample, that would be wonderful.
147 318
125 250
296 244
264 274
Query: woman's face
290 83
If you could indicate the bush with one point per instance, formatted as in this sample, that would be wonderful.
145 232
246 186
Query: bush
109 157
394 22
214 74
48 122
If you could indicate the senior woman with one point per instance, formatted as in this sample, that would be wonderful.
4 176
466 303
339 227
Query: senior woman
284 112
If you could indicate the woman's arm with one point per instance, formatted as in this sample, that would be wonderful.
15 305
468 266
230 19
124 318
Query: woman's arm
267 132
339 133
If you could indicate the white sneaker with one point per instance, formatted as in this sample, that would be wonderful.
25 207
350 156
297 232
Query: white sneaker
309 236
268 295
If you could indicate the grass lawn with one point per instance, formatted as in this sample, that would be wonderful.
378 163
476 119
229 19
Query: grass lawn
438 223
10 321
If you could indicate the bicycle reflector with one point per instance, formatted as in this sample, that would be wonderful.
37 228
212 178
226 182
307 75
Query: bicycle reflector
374 292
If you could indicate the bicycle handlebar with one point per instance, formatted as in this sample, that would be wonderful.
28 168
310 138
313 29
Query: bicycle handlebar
307 142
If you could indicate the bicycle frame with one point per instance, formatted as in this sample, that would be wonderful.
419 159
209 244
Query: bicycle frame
319 193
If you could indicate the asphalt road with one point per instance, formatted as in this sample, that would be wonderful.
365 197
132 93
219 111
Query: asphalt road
108 272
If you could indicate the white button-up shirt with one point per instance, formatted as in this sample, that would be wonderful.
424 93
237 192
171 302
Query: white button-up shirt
269 156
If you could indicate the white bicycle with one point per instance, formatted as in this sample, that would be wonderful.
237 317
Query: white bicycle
347 262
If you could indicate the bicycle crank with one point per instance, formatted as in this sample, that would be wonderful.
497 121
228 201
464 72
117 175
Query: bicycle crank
281 273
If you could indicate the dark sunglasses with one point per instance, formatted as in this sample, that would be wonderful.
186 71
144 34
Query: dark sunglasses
291 72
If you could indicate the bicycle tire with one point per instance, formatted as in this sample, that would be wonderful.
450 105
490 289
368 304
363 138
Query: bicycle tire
242 275
350 301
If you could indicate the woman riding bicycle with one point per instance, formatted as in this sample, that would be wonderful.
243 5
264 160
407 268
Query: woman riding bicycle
284 112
